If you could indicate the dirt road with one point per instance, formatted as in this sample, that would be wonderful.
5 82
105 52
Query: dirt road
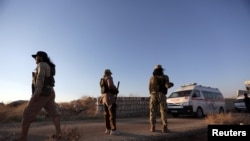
93 129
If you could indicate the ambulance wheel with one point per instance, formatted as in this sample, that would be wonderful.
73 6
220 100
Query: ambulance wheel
221 111
199 112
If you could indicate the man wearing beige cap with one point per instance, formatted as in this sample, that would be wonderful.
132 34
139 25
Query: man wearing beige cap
108 97
158 88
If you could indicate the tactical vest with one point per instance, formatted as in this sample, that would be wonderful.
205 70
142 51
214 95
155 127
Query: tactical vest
48 81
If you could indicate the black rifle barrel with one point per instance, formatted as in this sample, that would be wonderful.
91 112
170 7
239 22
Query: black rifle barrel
118 84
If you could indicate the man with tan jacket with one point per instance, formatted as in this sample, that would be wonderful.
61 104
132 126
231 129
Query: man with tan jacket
108 97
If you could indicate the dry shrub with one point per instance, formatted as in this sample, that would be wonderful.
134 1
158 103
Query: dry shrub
86 106
11 113
3 112
74 110
78 109
66 110
90 105
228 119
68 134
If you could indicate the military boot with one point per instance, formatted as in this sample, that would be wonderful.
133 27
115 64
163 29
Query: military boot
152 128
165 129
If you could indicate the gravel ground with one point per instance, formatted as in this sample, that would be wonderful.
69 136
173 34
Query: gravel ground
200 135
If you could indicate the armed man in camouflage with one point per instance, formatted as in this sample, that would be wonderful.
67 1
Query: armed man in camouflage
158 88
108 99
43 95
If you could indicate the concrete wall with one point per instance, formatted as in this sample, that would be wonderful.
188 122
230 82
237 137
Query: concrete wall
139 106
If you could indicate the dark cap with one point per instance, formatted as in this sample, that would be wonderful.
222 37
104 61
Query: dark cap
159 67
40 53
107 72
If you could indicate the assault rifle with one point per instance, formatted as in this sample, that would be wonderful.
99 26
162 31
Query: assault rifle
118 84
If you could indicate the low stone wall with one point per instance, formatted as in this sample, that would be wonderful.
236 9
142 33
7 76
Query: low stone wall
139 106
128 107
132 106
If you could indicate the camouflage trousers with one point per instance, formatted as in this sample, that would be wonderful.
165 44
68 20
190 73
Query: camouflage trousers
158 104
110 116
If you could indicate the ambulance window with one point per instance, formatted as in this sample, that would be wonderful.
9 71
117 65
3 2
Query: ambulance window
180 94
218 96
174 95
208 95
196 93
184 93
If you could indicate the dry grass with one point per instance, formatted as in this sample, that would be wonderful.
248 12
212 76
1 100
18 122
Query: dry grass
228 119
11 113
218 119
69 134
79 109
85 108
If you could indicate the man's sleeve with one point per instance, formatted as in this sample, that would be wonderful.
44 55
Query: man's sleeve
150 84
40 78
111 84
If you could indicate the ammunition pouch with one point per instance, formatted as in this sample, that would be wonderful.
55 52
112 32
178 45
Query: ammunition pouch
48 85
46 91
49 81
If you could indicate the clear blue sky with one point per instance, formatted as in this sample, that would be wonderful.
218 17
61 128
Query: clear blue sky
202 41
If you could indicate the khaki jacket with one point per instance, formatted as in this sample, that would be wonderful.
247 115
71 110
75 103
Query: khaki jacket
42 70
108 98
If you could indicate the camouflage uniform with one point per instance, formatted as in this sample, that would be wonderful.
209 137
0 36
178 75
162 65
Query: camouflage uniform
108 101
158 91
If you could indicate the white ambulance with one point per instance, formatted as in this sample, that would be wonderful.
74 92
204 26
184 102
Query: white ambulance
197 100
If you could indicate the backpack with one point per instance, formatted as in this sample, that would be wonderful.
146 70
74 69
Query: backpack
162 85
154 87
158 84
52 70
50 81
52 74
